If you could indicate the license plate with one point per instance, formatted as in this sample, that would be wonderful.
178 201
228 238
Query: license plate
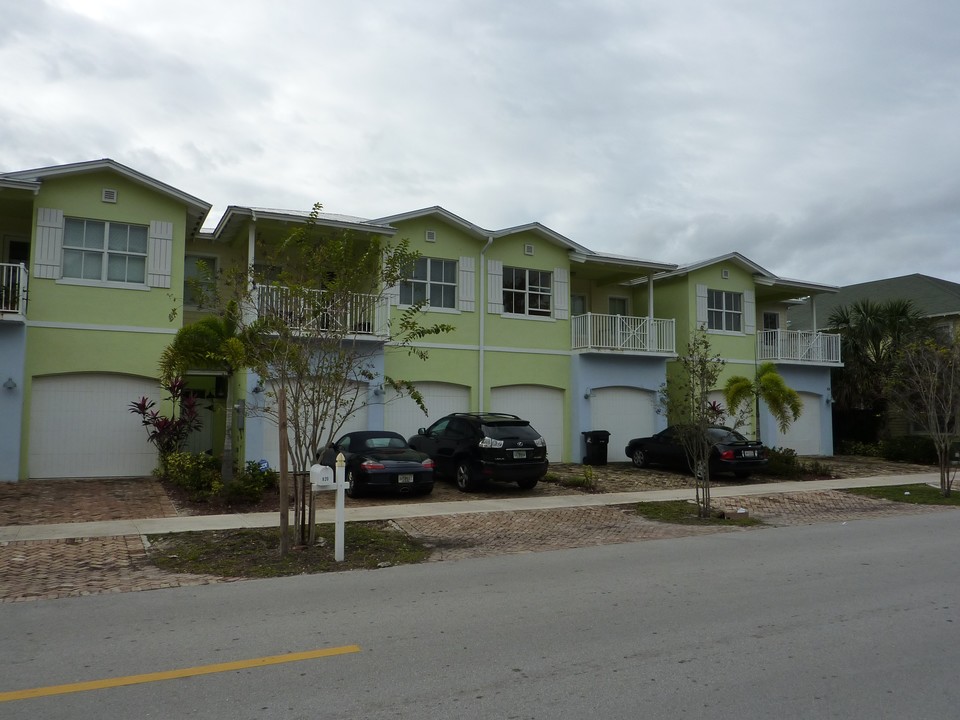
750 453
406 478
519 454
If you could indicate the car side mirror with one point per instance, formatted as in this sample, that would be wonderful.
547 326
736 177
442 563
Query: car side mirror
422 431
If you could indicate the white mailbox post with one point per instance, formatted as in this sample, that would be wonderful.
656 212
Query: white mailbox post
324 478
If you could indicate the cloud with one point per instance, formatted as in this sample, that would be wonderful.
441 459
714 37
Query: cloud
797 134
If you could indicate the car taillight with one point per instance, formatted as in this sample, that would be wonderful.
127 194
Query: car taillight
489 442
371 465
540 442
726 455
428 463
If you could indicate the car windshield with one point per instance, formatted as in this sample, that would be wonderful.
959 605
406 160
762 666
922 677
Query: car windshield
510 432
725 435
375 443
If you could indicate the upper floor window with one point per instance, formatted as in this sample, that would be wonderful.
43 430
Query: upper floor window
432 280
198 278
724 310
104 251
527 292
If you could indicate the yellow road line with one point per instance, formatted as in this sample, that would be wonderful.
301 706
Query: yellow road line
174 674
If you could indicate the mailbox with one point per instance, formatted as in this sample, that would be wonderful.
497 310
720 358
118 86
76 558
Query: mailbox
322 478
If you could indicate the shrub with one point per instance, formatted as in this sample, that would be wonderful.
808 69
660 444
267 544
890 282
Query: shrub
783 462
910 448
855 447
250 485
197 473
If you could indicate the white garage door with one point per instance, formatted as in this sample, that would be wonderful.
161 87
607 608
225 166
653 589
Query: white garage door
403 415
542 406
81 426
803 435
624 412
271 434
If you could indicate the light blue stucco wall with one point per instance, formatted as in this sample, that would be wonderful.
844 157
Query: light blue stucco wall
254 430
13 338
595 370
805 379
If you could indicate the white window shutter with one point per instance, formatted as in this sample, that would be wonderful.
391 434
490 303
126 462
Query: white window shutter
495 286
466 284
701 305
49 243
159 254
749 312
561 293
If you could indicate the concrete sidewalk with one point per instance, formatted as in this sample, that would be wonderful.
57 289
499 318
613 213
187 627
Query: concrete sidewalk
156 526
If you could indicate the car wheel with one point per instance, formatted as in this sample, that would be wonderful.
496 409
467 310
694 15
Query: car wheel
639 458
528 483
465 480
353 490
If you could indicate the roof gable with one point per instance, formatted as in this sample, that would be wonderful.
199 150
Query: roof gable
197 209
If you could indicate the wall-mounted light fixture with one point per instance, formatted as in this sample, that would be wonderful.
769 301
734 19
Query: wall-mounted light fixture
257 389
378 391
10 384
586 395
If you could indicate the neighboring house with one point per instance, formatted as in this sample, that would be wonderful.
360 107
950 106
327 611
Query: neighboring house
97 255
934 298
91 251
743 307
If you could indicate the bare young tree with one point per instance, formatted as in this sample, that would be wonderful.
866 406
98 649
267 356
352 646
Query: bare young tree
315 320
925 387
686 400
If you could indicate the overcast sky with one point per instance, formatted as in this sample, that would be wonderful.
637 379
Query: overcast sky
820 138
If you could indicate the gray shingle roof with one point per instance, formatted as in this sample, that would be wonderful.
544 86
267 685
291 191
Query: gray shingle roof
932 296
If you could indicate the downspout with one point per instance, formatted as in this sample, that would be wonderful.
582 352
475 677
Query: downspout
483 322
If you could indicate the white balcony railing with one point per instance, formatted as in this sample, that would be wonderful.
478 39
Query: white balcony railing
593 331
799 346
13 289
312 312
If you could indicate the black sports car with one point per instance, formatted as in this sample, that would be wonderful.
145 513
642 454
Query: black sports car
381 460
732 452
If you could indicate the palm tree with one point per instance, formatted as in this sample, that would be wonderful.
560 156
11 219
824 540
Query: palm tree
211 343
872 333
743 396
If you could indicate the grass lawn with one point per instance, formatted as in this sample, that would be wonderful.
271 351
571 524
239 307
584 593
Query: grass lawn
682 512
920 494
255 553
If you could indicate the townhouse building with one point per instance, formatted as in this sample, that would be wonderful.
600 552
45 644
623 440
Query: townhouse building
96 256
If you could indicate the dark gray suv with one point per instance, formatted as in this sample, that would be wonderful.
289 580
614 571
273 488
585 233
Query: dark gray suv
473 447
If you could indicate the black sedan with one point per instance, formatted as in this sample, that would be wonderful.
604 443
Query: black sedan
732 452
380 460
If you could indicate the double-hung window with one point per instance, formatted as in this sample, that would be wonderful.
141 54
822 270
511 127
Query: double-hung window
527 292
104 251
432 280
724 310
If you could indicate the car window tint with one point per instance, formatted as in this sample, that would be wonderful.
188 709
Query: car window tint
438 427
509 432
343 443
725 435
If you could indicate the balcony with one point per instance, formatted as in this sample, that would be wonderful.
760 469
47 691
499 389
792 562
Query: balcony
13 292
802 346
312 312
622 333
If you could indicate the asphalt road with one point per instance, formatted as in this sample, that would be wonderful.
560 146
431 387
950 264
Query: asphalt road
852 620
